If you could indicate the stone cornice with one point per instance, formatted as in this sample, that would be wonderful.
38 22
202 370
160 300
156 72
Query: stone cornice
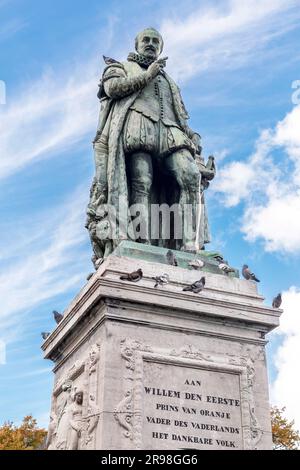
222 304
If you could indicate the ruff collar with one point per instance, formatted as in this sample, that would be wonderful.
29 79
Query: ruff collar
140 59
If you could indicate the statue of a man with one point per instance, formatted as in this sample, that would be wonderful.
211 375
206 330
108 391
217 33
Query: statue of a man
145 151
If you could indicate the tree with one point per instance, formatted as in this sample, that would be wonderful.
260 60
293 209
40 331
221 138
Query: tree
285 437
25 437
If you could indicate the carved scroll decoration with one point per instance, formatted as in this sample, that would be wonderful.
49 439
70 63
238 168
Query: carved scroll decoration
128 412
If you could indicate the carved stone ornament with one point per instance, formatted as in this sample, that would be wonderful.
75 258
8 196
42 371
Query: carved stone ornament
75 414
128 412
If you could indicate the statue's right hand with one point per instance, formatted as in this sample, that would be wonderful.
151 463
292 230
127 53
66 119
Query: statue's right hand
154 69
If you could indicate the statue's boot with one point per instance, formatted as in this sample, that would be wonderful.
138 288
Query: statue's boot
141 181
140 212
196 213
181 165
189 202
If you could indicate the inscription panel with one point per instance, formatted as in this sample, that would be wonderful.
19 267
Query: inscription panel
191 408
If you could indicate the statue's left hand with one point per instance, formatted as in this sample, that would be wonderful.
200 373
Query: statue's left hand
210 168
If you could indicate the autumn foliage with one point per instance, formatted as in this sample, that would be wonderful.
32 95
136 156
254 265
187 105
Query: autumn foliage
28 436
24 437
285 437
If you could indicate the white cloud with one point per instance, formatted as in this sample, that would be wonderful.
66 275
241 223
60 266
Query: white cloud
285 390
43 419
2 352
50 264
287 135
229 35
32 373
242 180
277 223
60 109
220 155
269 187
234 181
42 255
55 112
50 116
11 27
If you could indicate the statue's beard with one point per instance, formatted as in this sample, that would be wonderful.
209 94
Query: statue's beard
142 60
151 53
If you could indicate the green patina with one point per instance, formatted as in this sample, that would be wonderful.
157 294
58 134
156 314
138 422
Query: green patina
158 254
147 155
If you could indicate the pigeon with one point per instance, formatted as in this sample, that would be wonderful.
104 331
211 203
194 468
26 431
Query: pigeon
133 277
219 258
248 275
171 258
89 276
161 280
98 262
45 335
109 60
57 316
277 301
196 287
196 263
226 268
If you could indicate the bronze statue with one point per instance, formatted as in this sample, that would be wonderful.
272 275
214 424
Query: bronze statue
146 155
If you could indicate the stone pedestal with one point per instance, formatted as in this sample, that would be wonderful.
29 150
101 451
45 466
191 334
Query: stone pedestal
160 368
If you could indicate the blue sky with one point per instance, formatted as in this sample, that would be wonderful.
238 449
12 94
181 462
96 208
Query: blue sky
235 63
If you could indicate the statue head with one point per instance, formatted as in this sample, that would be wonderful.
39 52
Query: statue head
92 226
78 397
149 43
103 230
94 353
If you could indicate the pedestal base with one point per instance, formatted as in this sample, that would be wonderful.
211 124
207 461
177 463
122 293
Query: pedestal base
160 368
